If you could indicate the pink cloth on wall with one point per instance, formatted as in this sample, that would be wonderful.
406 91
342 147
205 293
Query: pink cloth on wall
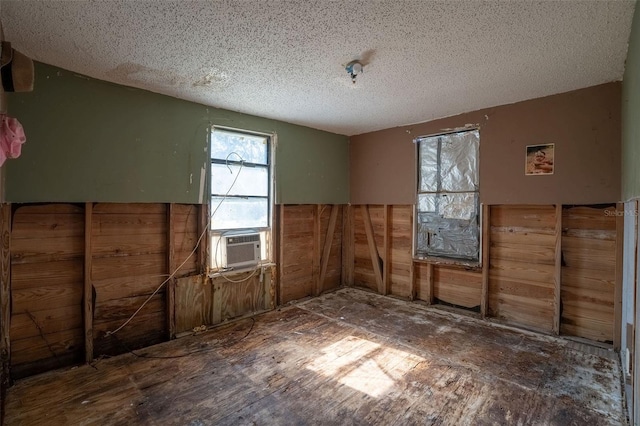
11 138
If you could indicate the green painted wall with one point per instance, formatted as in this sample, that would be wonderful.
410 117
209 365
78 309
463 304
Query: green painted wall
89 140
631 115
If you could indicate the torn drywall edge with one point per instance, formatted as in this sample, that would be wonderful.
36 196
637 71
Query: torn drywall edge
203 174
447 131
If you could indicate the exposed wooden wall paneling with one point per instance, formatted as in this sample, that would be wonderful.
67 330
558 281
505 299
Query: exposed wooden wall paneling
373 249
486 228
347 246
88 285
457 286
617 298
300 260
5 314
124 250
386 265
522 265
557 278
589 253
328 242
47 287
171 265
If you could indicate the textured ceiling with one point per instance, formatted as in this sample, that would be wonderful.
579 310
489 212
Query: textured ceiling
285 59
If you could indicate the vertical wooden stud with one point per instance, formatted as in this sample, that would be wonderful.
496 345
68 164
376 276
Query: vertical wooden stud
88 286
281 210
347 246
373 249
5 307
328 242
557 276
203 247
216 294
617 292
386 265
171 264
317 237
430 297
413 291
486 232
413 286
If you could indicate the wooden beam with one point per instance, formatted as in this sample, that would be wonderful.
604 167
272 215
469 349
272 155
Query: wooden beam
386 265
88 285
617 291
5 307
486 232
171 265
413 290
429 296
203 247
557 276
216 295
347 246
328 242
281 210
373 249
317 236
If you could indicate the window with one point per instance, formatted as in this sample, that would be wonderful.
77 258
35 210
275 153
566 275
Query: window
241 189
447 211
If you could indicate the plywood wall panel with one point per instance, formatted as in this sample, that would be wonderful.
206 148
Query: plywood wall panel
194 299
240 298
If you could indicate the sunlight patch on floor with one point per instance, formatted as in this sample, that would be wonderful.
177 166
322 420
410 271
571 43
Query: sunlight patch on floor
363 365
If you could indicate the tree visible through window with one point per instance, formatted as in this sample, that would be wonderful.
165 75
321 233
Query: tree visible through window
447 219
240 180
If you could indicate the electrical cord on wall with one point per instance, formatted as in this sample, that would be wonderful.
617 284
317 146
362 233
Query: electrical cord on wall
198 242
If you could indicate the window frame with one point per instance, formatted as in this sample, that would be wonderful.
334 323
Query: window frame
266 231
443 258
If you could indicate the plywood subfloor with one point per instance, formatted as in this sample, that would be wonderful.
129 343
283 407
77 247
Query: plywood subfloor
347 358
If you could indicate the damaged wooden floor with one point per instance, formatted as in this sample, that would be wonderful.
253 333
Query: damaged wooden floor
345 358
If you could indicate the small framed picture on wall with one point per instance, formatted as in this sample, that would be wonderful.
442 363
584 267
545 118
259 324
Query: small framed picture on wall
540 159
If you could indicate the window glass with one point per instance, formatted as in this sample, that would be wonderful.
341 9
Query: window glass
250 180
240 182
239 146
238 213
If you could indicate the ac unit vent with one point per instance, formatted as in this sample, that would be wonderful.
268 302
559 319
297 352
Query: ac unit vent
240 250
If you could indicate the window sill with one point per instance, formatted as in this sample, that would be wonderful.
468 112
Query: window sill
219 273
469 265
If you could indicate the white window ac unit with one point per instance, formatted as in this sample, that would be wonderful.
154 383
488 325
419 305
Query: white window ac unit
240 250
